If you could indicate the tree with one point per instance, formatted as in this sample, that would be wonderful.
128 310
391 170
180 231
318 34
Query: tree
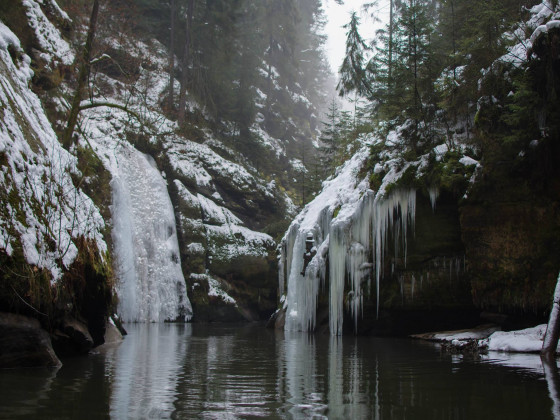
185 62
331 137
353 77
85 65
550 341
172 28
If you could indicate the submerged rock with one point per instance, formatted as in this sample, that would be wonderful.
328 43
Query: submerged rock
23 343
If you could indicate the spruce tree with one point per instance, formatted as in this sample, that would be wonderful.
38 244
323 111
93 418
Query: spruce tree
353 76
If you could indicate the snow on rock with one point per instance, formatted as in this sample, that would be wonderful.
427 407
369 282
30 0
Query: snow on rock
478 333
215 214
198 162
228 242
543 18
225 236
214 288
529 340
53 45
44 212
468 161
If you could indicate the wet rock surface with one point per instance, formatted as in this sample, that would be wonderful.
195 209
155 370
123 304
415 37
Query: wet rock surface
23 343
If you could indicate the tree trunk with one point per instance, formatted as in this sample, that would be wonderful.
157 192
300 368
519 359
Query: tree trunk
171 55
390 64
550 342
185 63
82 78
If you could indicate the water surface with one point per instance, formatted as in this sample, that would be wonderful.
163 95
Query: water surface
224 372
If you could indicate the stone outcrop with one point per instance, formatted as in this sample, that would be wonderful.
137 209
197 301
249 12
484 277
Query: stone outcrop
230 269
23 343
431 289
73 338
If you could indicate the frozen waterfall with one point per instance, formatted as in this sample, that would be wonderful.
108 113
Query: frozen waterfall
351 226
150 285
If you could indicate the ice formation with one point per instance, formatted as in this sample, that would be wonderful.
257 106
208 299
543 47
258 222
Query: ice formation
151 286
351 226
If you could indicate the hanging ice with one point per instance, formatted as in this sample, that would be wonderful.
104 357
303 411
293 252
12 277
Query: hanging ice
434 194
151 286
351 226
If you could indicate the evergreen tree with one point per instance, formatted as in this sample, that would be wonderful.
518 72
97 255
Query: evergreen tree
353 76
331 137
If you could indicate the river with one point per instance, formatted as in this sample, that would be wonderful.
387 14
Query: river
191 371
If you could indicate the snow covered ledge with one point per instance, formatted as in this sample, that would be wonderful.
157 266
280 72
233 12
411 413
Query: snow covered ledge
489 338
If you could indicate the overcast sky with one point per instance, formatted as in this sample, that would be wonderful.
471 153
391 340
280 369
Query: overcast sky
340 15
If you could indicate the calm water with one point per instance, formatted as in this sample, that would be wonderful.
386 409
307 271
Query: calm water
216 372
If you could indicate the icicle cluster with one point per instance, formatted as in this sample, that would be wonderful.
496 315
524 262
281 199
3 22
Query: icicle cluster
351 226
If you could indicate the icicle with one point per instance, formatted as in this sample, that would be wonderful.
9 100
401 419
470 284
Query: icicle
303 289
357 269
347 243
402 203
282 270
337 272
434 194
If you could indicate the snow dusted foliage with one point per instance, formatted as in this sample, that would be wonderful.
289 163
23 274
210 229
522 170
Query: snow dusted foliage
544 17
350 225
42 211
151 285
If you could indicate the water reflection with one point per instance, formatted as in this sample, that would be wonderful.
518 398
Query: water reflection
145 371
216 372
553 381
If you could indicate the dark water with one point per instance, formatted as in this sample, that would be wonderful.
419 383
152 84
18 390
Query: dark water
216 372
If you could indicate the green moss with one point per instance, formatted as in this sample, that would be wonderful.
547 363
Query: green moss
336 211
375 180
13 14
95 182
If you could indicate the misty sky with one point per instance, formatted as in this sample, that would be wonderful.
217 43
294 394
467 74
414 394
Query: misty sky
339 16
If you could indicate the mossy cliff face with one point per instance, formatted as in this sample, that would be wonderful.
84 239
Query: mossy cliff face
431 290
53 252
511 231
511 221
222 259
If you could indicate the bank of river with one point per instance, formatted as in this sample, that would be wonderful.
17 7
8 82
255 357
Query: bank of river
220 372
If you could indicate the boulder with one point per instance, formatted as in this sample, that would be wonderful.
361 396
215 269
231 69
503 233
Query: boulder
23 343
72 339
112 334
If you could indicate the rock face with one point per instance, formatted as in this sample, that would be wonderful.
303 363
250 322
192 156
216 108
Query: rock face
432 288
511 222
230 268
23 343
